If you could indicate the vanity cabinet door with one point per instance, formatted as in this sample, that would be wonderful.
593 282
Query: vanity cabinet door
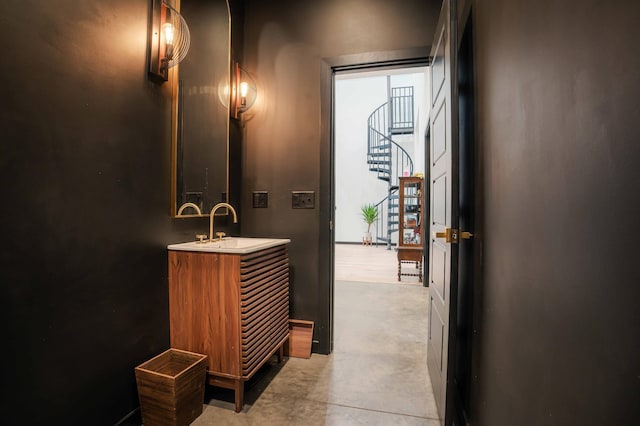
203 307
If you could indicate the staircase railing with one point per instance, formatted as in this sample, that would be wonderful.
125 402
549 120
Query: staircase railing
384 227
401 110
389 161
384 156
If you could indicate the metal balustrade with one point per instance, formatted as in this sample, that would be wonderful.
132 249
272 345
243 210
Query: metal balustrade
388 159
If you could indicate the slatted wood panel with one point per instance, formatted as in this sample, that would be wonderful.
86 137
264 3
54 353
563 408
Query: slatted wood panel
264 305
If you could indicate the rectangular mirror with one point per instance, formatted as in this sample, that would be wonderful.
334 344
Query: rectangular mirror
200 113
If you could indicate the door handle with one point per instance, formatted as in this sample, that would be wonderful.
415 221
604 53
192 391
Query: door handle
451 235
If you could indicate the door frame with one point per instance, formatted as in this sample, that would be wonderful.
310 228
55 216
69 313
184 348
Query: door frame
469 266
363 62
404 58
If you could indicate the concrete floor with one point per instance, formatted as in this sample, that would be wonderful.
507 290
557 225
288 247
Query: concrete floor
377 374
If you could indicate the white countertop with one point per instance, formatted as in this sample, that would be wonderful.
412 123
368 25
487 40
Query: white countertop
233 245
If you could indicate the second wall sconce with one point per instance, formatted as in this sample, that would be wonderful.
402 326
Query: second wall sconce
169 40
245 91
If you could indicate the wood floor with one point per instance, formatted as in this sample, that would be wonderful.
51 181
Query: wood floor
355 262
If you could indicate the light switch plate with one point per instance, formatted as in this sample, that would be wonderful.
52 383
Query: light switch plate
260 199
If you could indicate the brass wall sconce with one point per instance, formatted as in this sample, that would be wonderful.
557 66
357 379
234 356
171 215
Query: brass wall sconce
244 92
169 40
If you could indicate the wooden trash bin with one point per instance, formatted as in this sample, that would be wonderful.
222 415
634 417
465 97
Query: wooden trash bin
300 338
171 387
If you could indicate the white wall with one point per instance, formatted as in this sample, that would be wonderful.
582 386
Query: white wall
414 144
356 97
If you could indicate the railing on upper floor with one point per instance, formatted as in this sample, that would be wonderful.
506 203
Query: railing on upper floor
401 111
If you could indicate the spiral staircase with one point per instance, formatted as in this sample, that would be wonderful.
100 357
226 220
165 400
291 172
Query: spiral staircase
386 158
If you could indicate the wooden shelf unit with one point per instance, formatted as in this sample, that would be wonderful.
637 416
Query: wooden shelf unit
410 224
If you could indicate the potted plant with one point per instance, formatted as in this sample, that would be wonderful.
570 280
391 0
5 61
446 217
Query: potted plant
369 215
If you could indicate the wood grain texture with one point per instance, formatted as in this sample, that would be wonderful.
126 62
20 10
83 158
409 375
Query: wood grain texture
171 387
411 196
301 336
203 307
264 306
410 255
234 308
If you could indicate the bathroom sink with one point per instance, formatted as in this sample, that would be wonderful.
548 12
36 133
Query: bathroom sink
236 245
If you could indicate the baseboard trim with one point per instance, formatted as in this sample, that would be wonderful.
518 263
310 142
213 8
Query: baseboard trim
135 412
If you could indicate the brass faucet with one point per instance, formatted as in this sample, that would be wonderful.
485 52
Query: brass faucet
212 214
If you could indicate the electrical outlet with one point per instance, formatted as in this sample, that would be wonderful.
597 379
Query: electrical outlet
260 199
303 199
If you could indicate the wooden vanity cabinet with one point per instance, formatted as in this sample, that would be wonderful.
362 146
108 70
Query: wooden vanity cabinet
232 307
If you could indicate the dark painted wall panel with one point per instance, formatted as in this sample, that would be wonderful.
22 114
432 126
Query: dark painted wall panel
84 165
557 123
235 129
285 42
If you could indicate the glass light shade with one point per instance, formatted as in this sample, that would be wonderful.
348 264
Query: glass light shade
245 90
168 30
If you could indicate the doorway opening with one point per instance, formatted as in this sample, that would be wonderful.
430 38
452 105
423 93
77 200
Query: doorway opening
380 119
379 322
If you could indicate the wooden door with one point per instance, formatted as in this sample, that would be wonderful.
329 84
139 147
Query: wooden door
443 208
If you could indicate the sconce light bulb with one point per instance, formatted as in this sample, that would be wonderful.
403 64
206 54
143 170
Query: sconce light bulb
168 33
244 89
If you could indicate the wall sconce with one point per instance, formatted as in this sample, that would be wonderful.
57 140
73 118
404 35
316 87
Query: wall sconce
169 40
245 91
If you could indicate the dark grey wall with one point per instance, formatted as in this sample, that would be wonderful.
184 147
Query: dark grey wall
285 42
84 166
558 114
235 129
84 163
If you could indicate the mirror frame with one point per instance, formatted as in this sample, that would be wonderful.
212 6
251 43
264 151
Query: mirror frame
175 93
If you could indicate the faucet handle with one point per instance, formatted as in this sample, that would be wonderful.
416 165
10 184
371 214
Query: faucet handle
201 238
220 235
